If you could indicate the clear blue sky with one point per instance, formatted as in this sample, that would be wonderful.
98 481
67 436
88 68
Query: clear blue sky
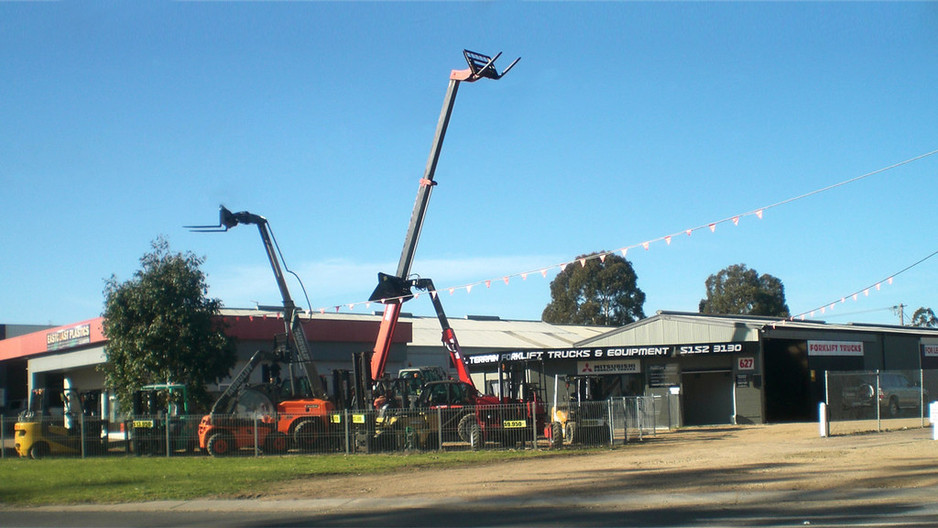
623 123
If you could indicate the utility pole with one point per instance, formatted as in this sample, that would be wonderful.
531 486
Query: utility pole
900 309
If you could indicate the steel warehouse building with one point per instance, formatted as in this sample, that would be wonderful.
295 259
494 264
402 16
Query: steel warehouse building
726 369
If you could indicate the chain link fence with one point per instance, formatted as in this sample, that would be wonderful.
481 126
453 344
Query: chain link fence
523 426
878 400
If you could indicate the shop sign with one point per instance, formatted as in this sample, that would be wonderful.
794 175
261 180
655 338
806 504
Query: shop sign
627 366
571 353
713 348
69 337
835 348
930 350
746 363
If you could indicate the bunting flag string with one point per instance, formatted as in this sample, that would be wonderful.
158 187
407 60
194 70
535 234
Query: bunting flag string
855 295
667 239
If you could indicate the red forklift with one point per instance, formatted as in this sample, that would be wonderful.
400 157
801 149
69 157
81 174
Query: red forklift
446 404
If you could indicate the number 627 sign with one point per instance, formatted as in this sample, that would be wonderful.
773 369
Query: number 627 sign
746 363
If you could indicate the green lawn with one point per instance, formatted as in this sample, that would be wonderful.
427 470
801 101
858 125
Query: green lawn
131 479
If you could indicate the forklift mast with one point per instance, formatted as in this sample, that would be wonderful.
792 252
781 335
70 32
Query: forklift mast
393 291
293 326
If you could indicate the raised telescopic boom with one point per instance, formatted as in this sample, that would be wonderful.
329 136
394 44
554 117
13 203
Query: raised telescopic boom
394 290
291 321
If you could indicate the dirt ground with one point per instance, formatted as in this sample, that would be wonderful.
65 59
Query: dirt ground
690 461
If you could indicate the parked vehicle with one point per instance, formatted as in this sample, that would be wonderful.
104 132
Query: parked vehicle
582 418
155 407
37 434
294 412
894 393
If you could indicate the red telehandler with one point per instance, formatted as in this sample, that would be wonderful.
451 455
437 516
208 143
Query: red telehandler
294 412
458 396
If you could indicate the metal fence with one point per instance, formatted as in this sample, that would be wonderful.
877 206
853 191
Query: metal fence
859 401
605 423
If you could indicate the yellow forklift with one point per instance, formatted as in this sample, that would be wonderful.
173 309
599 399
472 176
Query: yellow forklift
36 433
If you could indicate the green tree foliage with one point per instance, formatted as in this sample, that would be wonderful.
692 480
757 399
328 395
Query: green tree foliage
924 317
601 292
738 290
161 327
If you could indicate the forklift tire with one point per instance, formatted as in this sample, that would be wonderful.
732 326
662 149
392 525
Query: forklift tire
219 444
308 434
276 443
38 450
475 436
464 427
569 433
556 434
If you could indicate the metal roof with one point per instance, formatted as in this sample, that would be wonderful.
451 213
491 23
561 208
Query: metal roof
689 327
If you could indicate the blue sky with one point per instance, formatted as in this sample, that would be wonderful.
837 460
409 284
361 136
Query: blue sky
623 122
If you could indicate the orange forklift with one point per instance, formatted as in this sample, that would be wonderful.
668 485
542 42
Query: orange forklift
275 415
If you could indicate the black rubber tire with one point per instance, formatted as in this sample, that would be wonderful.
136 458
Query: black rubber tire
569 433
464 426
308 434
556 434
276 443
220 444
38 450
894 409
475 436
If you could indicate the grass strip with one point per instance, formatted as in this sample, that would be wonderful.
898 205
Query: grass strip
26 482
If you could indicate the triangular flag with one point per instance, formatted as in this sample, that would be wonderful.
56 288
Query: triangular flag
433 293
544 272
866 292
469 288
759 214
735 220
624 251
689 231
563 267
351 306
451 290
668 239
583 262
889 280
524 276
645 245
878 284
505 278
713 227
854 296
488 284
602 258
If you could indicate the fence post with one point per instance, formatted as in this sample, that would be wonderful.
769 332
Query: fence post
654 417
439 430
921 393
256 453
169 448
823 422
348 440
81 435
3 450
879 425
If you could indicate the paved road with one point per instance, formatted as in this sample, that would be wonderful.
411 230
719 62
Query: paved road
870 508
